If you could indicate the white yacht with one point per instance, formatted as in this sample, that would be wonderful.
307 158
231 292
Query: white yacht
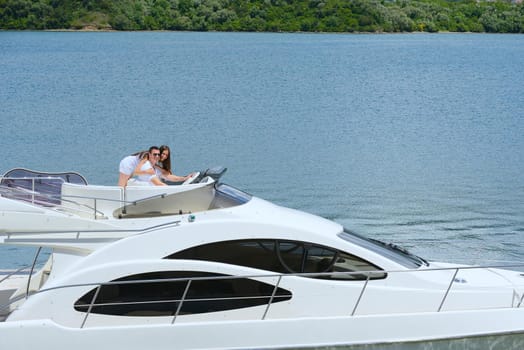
204 265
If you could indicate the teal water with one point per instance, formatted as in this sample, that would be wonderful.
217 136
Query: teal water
414 139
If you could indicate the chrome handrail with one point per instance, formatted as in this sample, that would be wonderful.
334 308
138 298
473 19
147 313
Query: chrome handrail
19 194
360 295
135 202
447 290
9 234
91 305
271 297
31 272
26 191
179 307
20 191
12 273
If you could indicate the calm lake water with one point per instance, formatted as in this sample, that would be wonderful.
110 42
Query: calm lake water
415 139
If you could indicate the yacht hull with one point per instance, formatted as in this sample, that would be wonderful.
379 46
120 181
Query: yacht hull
207 266
270 334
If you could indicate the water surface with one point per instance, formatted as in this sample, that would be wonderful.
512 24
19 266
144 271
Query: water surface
414 139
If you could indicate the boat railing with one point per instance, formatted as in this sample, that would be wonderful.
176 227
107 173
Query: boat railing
58 203
51 199
29 268
78 233
176 304
26 189
97 214
54 199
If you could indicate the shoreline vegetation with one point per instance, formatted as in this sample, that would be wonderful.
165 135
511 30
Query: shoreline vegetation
341 16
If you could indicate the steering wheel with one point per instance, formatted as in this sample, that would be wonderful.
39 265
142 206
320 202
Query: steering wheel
191 178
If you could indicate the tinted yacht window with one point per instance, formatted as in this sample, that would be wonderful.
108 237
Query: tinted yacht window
283 256
159 294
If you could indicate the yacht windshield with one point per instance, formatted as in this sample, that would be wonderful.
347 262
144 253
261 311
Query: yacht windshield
229 193
37 187
388 250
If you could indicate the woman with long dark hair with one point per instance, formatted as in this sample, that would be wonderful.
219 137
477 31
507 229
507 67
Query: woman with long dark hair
164 165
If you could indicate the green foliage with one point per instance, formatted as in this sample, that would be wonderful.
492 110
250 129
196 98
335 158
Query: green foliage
501 16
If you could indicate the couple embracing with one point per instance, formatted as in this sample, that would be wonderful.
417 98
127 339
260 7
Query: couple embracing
148 168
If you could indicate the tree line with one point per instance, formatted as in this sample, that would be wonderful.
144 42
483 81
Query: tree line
500 16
